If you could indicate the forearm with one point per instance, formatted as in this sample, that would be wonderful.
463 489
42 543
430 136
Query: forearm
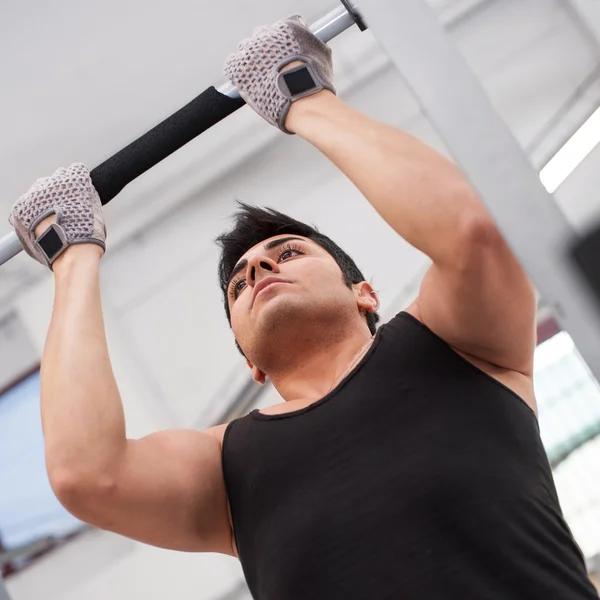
423 196
82 414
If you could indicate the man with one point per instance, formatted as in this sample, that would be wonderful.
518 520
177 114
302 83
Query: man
405 463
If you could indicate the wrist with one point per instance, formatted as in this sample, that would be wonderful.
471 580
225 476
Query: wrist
305 111
75 256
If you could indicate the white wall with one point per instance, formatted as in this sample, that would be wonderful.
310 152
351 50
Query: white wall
170 344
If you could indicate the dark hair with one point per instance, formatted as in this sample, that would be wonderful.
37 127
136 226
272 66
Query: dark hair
253 224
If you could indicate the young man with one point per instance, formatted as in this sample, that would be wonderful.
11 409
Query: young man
405 463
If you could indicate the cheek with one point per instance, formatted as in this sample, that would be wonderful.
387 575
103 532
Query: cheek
329 281
237 312
316 274
235 320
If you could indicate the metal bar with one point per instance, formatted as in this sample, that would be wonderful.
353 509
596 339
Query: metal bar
326 28
457 106
9 246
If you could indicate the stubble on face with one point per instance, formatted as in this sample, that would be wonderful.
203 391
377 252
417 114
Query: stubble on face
291 326
286 323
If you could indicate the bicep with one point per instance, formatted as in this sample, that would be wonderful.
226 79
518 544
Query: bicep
482 303
168 491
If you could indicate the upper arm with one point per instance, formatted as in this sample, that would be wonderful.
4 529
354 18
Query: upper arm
168 491
481 302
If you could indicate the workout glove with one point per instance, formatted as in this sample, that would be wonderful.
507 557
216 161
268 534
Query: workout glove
70 195
254 69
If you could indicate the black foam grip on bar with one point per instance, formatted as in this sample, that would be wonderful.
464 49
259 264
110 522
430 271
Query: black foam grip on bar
200 114
587 256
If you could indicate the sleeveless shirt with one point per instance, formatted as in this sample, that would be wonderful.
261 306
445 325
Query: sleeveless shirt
419 477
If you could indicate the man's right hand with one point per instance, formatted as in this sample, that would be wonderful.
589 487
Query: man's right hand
69 197
165 489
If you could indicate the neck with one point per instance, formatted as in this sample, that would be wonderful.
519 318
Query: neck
314 371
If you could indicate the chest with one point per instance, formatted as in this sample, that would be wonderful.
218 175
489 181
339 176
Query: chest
361 470
333 500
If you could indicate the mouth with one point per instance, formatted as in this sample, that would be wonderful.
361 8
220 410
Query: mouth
264 284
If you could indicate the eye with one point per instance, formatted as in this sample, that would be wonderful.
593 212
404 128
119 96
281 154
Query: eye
288 251
235 287
285 254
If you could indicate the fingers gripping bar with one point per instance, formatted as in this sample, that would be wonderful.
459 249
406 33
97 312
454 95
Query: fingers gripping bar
206 110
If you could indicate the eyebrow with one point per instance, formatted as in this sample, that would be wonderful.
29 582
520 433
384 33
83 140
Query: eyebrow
268 246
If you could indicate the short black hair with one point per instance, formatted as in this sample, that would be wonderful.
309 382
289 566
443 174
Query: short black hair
253 224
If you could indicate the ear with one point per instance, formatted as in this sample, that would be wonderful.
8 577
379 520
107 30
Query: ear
257 374
366 297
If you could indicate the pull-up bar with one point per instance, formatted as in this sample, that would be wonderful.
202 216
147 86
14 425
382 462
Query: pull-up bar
204 111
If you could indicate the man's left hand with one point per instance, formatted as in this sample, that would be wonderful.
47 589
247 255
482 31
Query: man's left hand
256 68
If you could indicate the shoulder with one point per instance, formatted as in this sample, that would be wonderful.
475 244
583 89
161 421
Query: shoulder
413 311
218 432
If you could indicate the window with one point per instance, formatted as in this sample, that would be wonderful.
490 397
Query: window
28 508
569 415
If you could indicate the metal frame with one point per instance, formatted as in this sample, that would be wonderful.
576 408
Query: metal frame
454 101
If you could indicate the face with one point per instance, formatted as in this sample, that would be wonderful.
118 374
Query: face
288 292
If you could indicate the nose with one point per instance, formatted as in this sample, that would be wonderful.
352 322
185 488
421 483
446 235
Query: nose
257 265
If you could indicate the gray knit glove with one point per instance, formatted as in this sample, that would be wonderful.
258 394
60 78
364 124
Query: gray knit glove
70 195
255 68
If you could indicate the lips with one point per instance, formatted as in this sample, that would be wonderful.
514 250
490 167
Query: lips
263 283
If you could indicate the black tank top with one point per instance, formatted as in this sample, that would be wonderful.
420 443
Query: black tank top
419 477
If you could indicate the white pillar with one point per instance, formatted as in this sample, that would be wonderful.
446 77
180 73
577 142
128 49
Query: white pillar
454 101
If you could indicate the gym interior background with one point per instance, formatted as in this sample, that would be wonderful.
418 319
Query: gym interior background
80 81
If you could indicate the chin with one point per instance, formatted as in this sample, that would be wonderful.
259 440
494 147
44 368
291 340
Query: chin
275 329
288 317
279 312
